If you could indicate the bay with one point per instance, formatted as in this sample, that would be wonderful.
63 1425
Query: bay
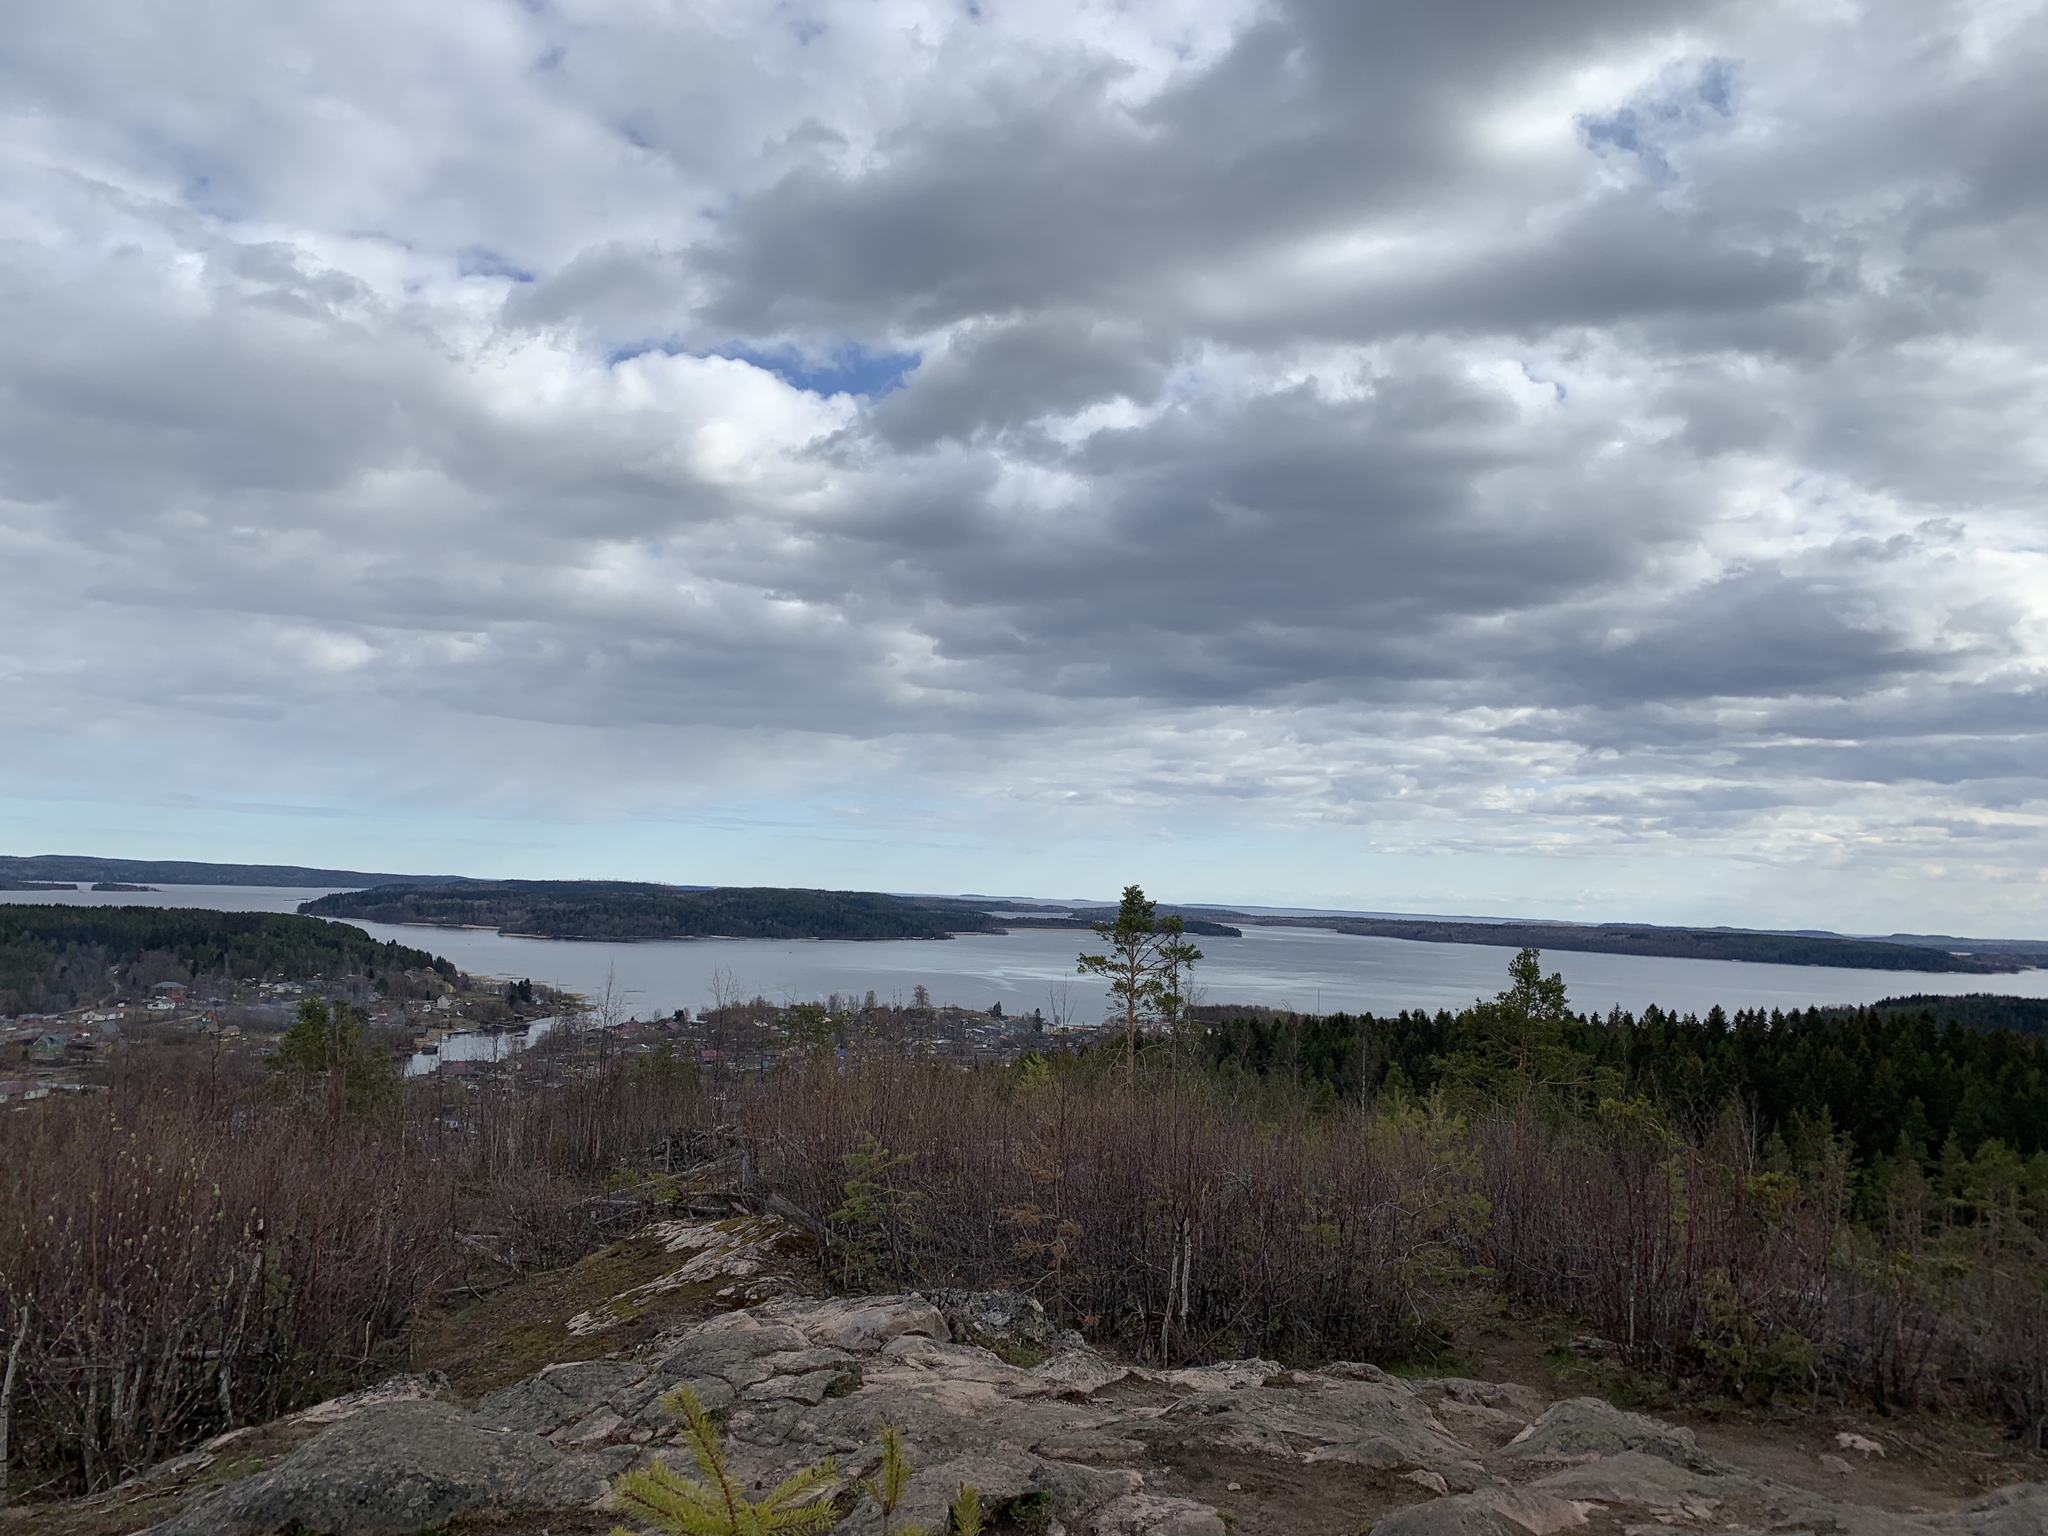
1311 970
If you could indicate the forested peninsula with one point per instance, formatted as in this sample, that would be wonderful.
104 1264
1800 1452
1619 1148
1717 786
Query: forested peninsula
68 869
606 909
1201 926
54 958
1677 943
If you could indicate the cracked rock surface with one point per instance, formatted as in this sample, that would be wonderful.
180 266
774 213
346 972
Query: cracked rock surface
1072 1443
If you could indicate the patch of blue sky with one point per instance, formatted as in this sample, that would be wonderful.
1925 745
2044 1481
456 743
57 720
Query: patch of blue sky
1538 378
1677 108
482 261
847 369
206 196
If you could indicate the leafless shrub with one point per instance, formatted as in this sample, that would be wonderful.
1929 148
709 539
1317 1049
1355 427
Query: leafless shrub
1947 1294
200 1248
1159 1219
1681 1251
181 1272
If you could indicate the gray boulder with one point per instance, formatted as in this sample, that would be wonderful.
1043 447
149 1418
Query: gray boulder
1632 1477
1377 1424
1146 1514
1460 1515
558 1395
2015 1511
2020 1511
401 1467
999 1318
1001 1477
1584 1427
858 1323
1500 1396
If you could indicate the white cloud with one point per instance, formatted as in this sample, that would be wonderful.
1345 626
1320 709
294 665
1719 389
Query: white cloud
1515 436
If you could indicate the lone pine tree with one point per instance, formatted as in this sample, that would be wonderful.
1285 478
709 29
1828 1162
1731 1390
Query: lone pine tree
1145 965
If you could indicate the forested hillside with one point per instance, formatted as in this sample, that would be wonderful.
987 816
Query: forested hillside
603 909
57 957
1975 1010
1881 1078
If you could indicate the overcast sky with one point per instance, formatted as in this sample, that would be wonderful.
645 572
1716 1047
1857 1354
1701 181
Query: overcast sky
1581 459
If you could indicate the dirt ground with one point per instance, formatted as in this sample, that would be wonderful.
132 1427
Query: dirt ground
1931 1461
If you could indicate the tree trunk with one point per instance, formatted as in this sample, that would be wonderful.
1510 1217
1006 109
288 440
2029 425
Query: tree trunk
7 1394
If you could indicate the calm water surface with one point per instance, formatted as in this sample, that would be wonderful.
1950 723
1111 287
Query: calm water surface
1308 969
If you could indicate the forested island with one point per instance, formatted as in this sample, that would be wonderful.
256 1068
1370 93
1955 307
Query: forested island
56 958
606 909
1680 943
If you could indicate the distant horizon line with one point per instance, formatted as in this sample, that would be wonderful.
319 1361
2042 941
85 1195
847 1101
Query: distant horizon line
161 871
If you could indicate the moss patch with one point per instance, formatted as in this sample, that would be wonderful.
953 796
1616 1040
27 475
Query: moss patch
513 1332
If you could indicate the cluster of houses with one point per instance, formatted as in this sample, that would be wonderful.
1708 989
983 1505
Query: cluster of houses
37 1051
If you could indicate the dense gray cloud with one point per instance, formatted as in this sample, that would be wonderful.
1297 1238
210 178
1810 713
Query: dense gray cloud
1476 433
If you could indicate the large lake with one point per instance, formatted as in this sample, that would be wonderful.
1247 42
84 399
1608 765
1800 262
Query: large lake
1307 969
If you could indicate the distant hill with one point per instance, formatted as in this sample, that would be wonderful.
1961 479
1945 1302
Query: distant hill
59 867
54 958
1679 943
608 909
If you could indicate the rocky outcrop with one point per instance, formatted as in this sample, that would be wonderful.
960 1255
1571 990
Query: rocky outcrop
1584 1427
1461 1515
738 1260
1057 1439
399 1467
